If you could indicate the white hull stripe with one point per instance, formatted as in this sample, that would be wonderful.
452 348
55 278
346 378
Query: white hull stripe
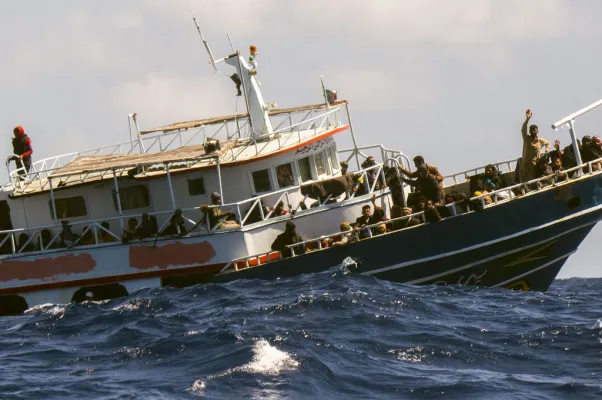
535 269
477 246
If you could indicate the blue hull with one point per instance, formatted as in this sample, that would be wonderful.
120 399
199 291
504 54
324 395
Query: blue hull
520 244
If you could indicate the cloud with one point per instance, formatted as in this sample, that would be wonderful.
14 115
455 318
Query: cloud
163 99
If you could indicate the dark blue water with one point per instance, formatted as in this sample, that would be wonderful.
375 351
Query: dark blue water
328 335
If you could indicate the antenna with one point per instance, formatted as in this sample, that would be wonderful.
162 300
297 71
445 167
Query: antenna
211 58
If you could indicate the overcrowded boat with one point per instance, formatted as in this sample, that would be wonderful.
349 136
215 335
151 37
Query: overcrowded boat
208 200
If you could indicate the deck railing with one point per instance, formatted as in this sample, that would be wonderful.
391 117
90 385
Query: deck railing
299 121
199 226
535 186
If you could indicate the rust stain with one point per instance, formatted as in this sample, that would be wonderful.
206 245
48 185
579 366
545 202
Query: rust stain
173 254
46 268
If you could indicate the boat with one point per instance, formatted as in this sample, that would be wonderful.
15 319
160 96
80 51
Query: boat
102 223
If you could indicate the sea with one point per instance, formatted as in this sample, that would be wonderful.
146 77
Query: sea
330 335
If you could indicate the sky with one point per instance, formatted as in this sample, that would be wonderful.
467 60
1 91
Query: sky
449 80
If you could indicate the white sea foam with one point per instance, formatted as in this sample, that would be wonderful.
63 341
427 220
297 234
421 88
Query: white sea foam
268 360
50 309
198 386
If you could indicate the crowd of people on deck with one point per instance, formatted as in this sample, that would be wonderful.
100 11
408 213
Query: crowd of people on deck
429 196
428 202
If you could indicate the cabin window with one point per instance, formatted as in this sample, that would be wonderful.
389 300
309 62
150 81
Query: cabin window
320 165
284 175
334 162
261 181
69 207
132 197
304 169
196 187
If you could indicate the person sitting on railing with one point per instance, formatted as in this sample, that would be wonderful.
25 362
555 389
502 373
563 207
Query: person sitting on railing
431 169
279 210
22 148
104 237
216 214
287 238
425 185
129 233
347 235
369 218
532 146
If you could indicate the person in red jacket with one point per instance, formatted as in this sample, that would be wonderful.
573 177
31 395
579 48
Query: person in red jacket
22 148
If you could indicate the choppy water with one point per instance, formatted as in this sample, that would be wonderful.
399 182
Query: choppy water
328 335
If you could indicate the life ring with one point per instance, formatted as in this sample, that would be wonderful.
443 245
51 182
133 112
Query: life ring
523 286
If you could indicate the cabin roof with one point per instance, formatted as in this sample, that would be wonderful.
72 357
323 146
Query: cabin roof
87 164
214 120
89 169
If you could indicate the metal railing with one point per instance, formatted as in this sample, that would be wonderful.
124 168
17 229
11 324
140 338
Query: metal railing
231 130
199 227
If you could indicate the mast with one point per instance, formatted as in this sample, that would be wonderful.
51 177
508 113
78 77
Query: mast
245 76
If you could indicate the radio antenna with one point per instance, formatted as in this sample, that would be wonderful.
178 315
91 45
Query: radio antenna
211 58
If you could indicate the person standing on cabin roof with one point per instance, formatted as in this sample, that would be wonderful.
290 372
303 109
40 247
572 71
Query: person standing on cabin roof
22 148
532 145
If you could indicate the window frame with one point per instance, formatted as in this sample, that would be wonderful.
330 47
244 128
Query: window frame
324 164
312 168
334 162
57 199
270 179
295 176
201 178
114 198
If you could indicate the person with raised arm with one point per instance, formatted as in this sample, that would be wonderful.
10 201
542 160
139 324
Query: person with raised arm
532 145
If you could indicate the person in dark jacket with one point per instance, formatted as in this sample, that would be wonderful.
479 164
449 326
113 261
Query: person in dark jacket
590 151
425 185
491 176
288 237
432 170
369 218
22 148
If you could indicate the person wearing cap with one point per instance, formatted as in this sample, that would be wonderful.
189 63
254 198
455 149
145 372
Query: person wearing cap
347 235
532 146
22 148
287 238
216 214
398 212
